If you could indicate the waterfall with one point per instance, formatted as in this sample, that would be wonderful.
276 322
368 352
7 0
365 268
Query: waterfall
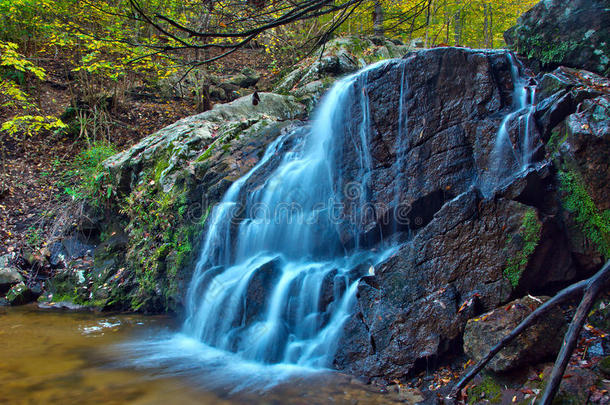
509 158
284 250
275 282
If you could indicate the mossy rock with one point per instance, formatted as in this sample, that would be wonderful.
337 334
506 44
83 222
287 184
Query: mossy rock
526 242
573 33
488 390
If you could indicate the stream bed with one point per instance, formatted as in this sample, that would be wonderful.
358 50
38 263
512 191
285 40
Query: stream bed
60 357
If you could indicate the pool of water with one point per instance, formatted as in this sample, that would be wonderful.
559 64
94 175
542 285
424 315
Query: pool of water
59 357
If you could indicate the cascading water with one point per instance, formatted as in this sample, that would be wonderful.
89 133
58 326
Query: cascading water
507 158
279 266
279 241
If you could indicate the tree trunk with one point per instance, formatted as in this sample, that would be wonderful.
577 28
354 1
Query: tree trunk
488 26
485 27
378 19
491 26
457 28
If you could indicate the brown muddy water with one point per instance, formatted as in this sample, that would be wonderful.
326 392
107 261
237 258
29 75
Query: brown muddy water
59 357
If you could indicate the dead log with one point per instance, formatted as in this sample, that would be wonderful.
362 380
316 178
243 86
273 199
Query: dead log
589 289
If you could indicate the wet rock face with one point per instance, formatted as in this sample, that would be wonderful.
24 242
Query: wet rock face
414 310
466 247
574 33
434 148
537 343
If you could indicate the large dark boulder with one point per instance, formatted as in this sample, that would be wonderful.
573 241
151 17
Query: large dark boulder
413 311
574 33
538 342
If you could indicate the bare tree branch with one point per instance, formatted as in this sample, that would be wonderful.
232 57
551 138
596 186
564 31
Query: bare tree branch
237 23
590 288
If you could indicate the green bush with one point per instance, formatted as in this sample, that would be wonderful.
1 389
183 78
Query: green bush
88 173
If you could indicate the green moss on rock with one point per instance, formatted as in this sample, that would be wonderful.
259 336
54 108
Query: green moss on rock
594 224
529 233
488 390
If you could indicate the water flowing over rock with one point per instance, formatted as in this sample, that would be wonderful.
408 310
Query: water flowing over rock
425 191
275 239
399 152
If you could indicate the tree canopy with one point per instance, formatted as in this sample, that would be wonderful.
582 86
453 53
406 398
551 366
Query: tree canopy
111 44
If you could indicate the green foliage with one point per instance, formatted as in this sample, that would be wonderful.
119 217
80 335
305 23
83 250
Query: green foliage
86 176
10 59
34 236
31 124
162 164
530 232
105 49
594 224
14 68
476 23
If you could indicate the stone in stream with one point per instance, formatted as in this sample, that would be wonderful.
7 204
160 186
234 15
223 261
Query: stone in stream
258 292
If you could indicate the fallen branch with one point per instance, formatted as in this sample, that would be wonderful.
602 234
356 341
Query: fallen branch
589 288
